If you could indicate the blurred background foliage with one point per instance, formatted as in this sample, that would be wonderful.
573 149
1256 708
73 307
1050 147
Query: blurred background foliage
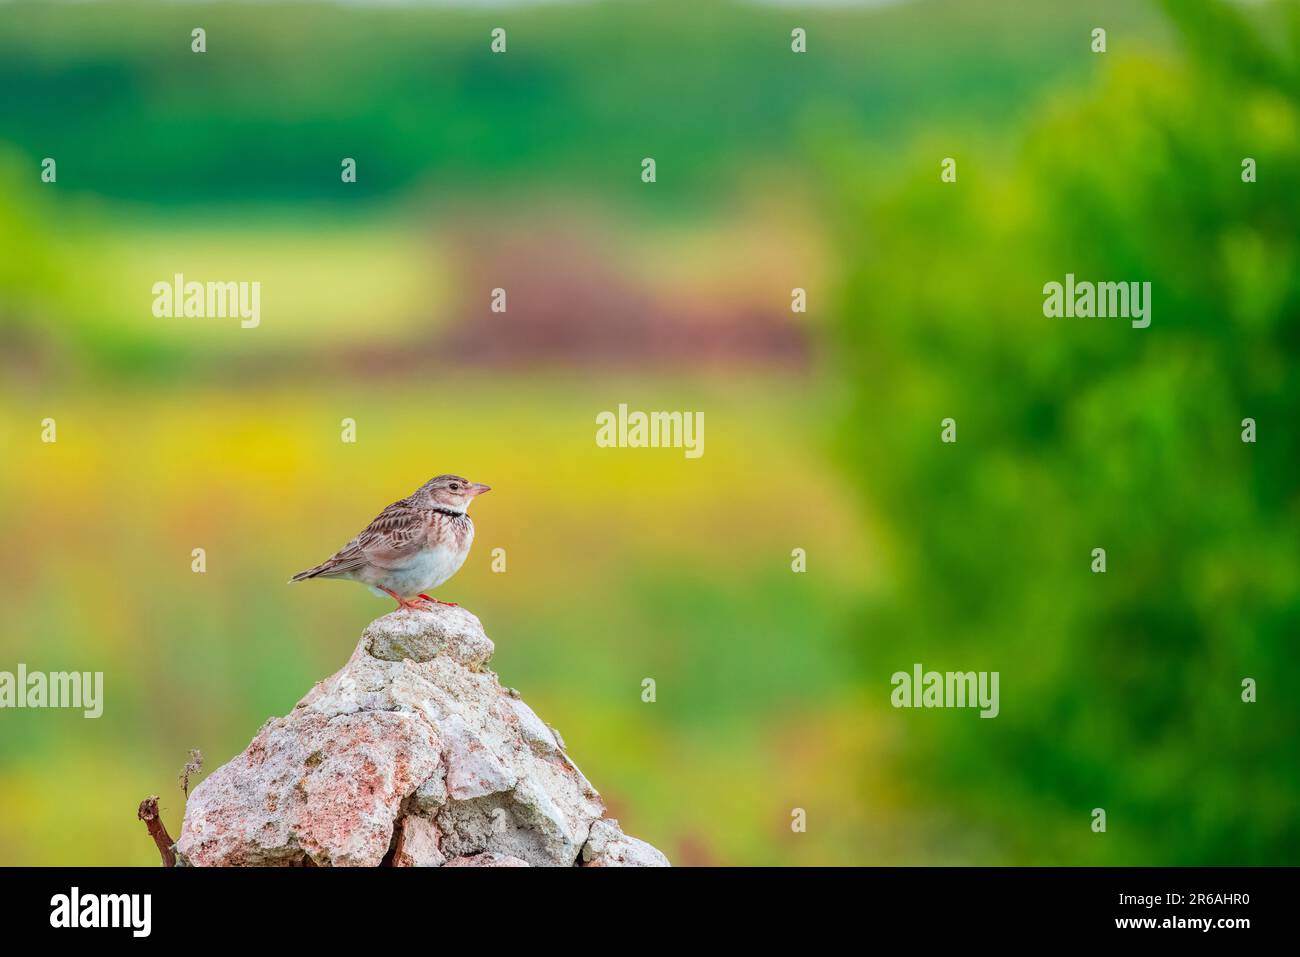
1122 689
1118 691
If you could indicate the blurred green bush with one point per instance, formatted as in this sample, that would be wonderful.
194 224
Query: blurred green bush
1121 690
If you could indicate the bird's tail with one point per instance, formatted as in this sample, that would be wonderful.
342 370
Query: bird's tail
309 573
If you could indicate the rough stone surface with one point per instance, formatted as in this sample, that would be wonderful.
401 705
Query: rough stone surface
487 859
412 754
417 843
608 846
450 631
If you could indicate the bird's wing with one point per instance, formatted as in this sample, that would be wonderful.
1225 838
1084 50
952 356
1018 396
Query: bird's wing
390 541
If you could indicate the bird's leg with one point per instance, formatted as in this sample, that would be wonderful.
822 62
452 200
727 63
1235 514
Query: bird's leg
402 602
449 604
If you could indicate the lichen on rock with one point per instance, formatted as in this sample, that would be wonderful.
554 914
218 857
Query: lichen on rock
414 755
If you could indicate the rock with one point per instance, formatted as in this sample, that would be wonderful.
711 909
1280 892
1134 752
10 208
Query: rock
535 730
413 754
417 843
473 770
487 859
325 787
420 636
432 794
608 846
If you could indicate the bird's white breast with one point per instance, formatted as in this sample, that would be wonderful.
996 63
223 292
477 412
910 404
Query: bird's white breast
428 570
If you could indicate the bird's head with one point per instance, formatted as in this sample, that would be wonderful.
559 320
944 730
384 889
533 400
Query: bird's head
452 491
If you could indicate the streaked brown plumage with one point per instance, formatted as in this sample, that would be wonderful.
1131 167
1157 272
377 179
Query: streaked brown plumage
413 545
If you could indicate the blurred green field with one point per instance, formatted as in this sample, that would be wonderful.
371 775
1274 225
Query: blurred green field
775 171
603 587
584 92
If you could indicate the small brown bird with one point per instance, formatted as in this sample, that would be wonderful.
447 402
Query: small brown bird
412 546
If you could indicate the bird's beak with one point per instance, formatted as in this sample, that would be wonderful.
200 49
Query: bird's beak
478 488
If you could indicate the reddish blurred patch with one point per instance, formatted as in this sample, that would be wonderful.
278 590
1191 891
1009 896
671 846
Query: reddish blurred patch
571 302
692 851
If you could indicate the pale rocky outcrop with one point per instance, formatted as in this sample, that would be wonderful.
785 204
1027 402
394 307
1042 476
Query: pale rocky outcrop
414 755
608 846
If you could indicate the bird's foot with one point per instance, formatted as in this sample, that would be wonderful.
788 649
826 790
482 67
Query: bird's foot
421 603
448 604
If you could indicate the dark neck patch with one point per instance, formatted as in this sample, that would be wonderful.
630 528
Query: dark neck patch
447 511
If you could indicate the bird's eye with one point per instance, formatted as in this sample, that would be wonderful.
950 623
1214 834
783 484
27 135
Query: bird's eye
455 486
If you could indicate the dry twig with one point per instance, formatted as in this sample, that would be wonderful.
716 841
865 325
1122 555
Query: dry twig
157 830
